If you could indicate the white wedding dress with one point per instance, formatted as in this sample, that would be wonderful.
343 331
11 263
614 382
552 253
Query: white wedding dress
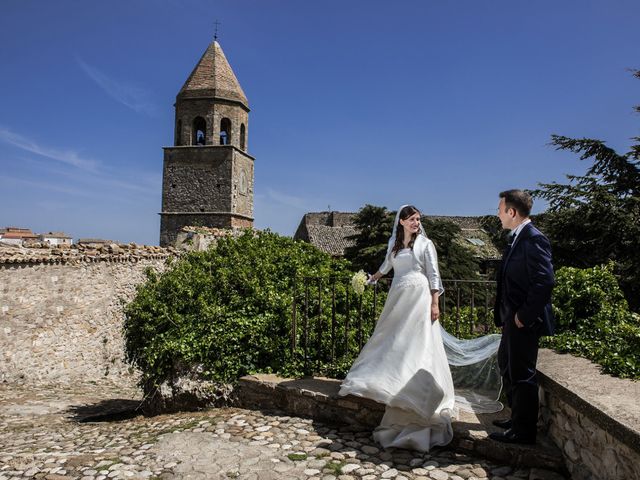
404 365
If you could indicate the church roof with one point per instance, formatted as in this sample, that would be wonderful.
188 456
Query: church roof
333 240
329 231
213 77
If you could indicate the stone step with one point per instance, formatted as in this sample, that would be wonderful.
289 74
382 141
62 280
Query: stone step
317 398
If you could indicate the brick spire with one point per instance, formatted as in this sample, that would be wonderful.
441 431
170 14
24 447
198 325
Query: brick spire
213 78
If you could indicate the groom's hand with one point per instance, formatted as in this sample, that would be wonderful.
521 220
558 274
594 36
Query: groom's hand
519 324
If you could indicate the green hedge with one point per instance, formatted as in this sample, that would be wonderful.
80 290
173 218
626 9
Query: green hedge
594 321
227 312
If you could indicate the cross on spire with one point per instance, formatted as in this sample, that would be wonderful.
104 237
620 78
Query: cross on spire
215 35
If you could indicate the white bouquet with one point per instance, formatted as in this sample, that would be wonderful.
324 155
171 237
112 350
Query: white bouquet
358 282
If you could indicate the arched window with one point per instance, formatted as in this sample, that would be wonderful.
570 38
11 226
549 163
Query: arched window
179 133
242 137
225 131
199 129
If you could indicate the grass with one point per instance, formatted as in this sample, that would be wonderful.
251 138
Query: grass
296 457
336 467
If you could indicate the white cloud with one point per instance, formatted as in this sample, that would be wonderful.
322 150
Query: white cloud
68 157
45 185
88 175
133 97
288 200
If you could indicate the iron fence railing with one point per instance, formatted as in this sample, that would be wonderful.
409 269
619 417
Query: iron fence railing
475 295
330 319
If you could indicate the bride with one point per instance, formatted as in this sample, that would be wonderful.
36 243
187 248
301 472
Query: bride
405 365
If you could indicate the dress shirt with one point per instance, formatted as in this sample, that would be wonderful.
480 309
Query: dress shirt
518 229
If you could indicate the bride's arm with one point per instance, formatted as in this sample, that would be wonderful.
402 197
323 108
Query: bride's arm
431 268
435 305
385 267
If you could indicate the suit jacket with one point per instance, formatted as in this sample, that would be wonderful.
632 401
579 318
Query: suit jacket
425 254
525 282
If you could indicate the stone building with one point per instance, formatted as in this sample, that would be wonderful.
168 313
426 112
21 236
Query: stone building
56 238
17 236
208 174
329 231
332 232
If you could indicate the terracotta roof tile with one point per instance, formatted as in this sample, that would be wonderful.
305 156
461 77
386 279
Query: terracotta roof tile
213 77
332 240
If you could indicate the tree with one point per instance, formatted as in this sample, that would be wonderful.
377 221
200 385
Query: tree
595 217
455 260
374 226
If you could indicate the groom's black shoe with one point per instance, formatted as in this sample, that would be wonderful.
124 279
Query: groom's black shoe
506 424
512 437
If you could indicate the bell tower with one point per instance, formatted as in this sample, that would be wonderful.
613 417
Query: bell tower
207 177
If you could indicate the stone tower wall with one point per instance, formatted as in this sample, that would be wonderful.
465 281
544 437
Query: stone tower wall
197 179
201 187
171 225
243 185
237 115
188 109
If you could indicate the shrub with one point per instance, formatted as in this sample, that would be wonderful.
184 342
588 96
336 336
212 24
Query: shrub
227 311
468 323
594 321
582 294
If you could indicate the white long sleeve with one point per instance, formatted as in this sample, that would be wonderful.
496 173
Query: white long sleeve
431 267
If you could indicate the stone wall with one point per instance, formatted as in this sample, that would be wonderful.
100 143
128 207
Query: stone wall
593 418
209 186
197 179
242 198
61 311
199 239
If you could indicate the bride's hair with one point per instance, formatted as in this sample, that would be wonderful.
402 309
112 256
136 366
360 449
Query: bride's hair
405 213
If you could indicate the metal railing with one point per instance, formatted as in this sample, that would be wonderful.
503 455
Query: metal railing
480 295
329 317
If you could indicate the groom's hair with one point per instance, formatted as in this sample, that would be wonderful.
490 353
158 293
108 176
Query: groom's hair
519 200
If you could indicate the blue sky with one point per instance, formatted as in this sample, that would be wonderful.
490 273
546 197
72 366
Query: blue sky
437 103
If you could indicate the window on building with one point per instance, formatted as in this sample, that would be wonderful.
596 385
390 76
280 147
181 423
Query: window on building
242 137
179 133
225 131
199 129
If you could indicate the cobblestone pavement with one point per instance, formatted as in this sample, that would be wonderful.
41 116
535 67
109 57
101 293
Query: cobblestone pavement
44 434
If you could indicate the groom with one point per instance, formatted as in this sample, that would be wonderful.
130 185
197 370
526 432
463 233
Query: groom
523 310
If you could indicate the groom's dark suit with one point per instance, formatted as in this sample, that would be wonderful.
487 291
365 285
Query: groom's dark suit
525 282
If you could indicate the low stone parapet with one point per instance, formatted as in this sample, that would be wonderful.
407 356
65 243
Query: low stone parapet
594 418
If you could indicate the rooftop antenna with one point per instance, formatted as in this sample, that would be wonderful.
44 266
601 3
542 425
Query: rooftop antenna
215 35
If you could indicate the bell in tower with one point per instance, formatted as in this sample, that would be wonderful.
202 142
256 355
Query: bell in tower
207 177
